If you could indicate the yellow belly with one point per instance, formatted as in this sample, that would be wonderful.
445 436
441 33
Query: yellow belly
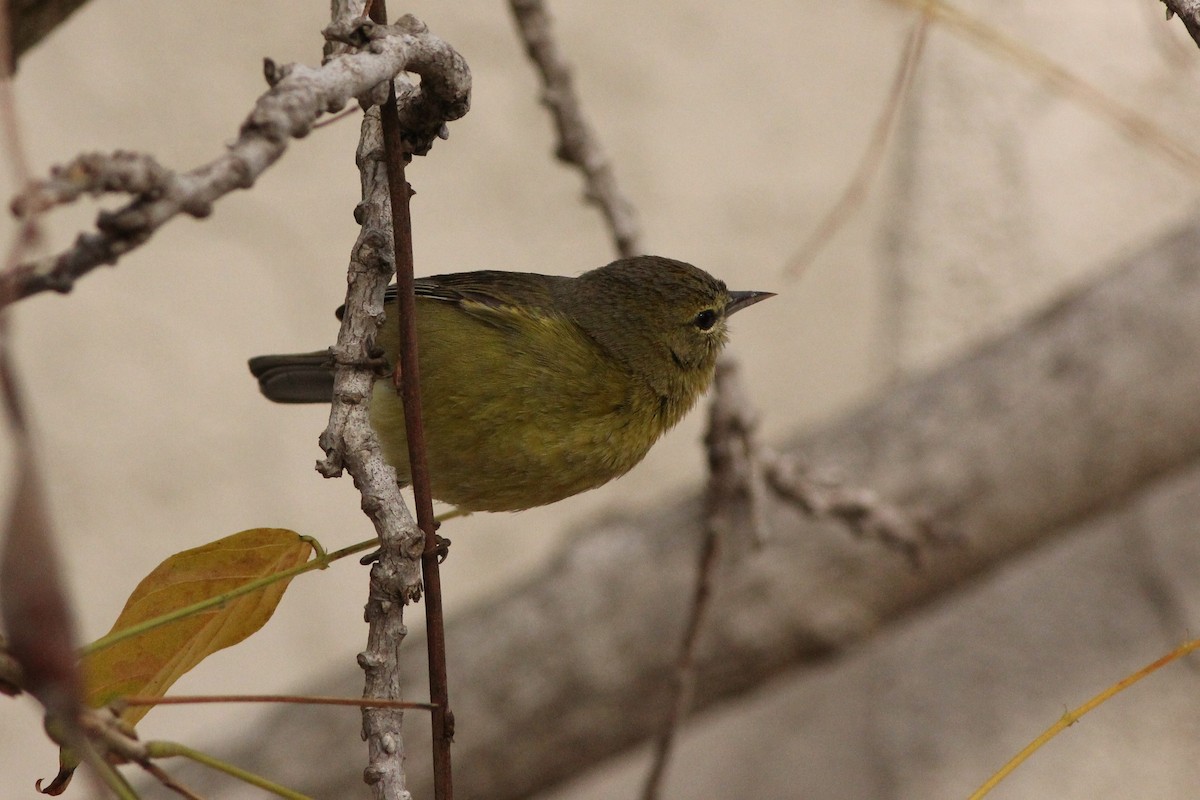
518 416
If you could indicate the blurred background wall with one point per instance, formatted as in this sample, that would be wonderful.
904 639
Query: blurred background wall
732 132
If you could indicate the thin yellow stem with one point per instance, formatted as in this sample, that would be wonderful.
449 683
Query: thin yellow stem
107 772
162 749
1071 717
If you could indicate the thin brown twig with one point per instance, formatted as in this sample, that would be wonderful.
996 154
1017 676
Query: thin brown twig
303 700
906 531
733 483
868 165
1130 123
577 141
408 365
335 118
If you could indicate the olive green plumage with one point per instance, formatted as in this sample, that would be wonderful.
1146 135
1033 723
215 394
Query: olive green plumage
537 387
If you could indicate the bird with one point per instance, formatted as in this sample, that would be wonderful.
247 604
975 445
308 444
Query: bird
538 387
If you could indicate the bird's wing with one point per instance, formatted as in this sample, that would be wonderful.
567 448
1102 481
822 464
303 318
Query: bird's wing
491 295
489 288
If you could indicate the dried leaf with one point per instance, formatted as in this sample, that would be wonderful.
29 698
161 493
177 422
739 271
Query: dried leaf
148 664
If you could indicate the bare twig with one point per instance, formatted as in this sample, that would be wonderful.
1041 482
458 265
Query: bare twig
298 96
300 700
734 480
868 166
106 740
743 478
577 142
1133 125
862 510
1188 12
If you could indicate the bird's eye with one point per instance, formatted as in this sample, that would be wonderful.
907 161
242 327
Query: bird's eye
706 319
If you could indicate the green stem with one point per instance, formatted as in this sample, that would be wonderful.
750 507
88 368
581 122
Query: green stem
108 773
167 749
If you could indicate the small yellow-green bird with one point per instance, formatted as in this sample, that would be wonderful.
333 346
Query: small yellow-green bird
538 387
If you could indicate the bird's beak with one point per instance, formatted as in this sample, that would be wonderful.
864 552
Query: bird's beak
740 300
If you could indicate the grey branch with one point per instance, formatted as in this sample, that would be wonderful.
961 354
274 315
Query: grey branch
577 142
349 441
909 530
298 96
1188 12
1068 415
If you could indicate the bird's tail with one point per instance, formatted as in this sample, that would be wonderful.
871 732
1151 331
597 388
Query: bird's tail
295 378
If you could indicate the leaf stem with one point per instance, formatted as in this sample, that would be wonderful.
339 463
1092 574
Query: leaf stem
1069 718
162 749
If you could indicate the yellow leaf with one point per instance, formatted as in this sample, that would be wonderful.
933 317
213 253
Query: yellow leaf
149 663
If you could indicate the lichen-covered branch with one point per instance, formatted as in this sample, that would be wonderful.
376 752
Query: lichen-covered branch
349 440
577 142
298 96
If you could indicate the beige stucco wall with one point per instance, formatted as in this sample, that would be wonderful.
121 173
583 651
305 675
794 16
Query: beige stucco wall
732 130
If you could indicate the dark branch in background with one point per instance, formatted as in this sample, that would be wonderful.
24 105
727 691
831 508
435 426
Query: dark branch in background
11 678
349 441
30 21
1188 12
38 624
577 142
299 95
